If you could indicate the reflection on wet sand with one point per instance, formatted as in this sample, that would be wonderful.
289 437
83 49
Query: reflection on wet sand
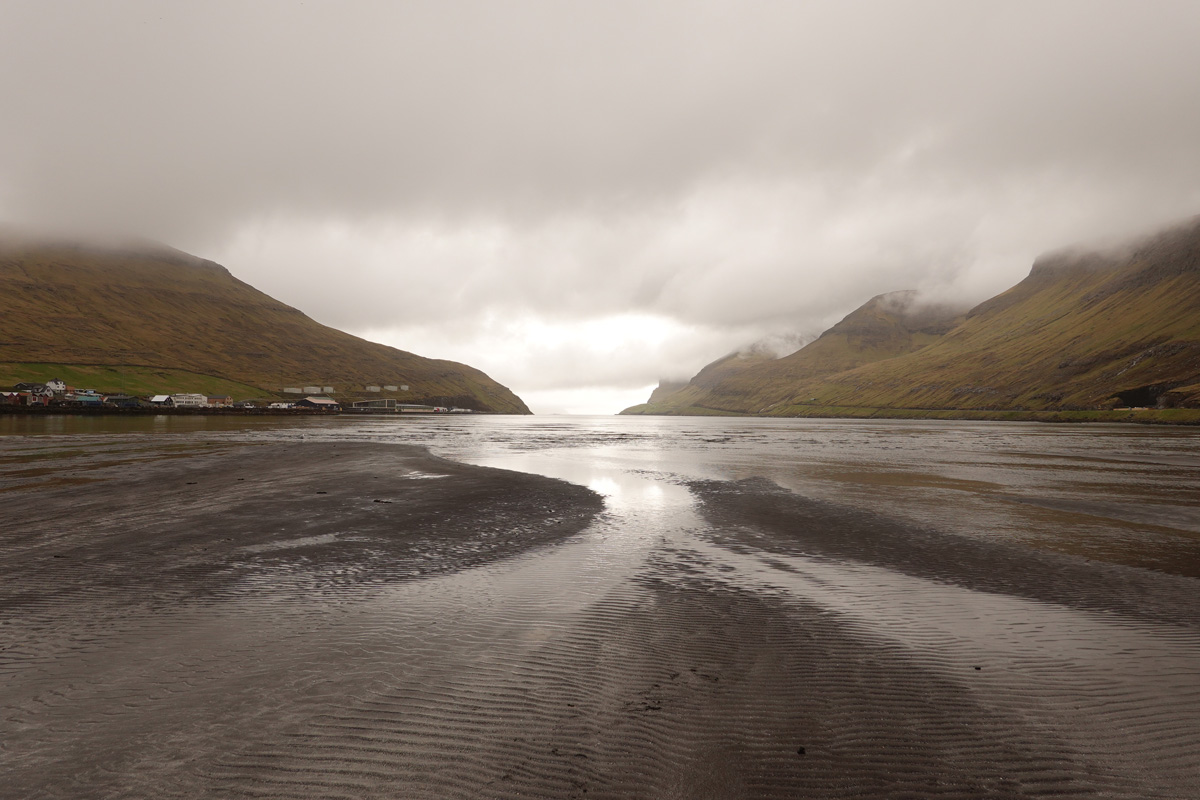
297 611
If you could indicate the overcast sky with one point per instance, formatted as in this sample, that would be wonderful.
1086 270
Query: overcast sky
581 198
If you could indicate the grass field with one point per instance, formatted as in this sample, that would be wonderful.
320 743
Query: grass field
127 379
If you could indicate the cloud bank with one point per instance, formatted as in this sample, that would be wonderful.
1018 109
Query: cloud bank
583 198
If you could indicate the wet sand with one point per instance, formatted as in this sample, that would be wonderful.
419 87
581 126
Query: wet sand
366 620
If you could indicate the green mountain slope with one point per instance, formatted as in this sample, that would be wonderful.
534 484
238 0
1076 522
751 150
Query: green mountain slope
151 307
884 327
1087 329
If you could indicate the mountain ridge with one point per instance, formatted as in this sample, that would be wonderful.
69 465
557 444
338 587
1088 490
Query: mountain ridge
887 325
1089 328
156 307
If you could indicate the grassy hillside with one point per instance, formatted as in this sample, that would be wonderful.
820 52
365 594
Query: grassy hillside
125 380
146 310
719 373
884 327
1088 329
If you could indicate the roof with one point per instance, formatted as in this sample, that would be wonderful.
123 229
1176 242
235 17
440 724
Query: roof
320 401
160 398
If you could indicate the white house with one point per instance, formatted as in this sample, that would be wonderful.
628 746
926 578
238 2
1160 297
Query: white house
161 400
189 400
56 385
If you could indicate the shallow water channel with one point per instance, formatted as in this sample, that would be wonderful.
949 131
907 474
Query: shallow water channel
765 608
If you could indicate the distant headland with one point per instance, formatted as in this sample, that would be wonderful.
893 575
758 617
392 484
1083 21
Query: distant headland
144 320
1106 333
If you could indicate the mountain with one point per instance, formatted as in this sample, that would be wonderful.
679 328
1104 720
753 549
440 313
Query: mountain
769 348
884 327
150 313
1089 328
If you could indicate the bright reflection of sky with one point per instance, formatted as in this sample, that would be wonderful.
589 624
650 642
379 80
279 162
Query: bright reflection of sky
622 491
589 400
564 366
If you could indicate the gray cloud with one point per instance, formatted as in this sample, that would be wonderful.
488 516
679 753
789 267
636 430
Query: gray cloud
738 169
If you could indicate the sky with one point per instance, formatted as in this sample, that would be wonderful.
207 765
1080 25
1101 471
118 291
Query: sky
581 198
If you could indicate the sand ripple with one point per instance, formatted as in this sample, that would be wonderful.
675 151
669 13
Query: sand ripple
738 646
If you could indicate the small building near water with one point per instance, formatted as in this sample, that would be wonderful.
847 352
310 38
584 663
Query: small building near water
41 391
388 405
189 400
319 403
124 401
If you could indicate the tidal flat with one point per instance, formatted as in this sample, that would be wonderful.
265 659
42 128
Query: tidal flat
621 607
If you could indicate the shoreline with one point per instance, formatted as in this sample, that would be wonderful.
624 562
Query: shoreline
215 617
1146 416
220 513
220 412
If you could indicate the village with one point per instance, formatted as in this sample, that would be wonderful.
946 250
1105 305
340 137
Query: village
56 395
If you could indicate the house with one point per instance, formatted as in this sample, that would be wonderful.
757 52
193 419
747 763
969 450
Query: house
189 400
312 389
224 400
24 399
41 391
162 400
371 388
319 403
57 385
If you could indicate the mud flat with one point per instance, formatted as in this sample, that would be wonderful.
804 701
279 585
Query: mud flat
226 619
